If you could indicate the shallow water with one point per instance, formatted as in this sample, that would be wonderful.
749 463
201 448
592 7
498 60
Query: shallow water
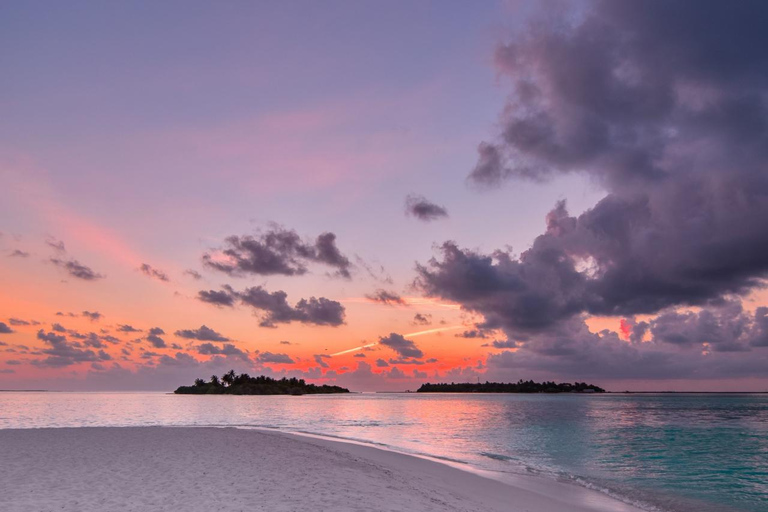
678 453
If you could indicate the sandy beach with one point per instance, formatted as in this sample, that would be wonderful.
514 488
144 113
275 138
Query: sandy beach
202 469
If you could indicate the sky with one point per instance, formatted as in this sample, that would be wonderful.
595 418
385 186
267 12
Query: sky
381 194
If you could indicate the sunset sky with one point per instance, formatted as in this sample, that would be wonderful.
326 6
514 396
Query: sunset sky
492 190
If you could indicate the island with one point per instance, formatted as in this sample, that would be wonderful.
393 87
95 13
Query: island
520 386
243 384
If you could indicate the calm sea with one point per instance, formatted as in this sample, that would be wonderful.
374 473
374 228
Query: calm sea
677 453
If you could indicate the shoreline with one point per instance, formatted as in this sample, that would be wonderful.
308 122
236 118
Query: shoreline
199 468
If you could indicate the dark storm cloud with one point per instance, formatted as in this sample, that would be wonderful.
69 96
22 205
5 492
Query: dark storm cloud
150 271
4 329
269 357
277 251
405 348
275 308
665 105
77 269
385 297
204 333
571 350
422 209
722 328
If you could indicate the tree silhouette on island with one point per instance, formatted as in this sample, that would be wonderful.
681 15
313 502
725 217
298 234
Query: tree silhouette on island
243 384
520 386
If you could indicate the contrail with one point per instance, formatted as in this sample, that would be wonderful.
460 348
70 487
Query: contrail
409 335
430 331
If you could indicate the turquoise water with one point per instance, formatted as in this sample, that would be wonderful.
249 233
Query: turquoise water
676 453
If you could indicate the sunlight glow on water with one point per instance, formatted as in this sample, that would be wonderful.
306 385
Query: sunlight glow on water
674 452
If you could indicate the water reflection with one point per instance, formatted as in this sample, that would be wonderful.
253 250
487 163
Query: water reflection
665 449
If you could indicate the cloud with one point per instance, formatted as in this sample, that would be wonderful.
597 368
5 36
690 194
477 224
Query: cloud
422 319
422 209
127 328
319 359
4 329
276 310
473 333
154 337
570 351
725 327
227 349
277 252
269 357
18 253
381 363
149 271
204 333
56 245
194 274
18 321
405 348
64 353
58 327
76 269
503 344
378 273
93 316
385 297
224 298
94 340
674 128
317 311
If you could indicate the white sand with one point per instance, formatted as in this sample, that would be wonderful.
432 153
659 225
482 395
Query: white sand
209 469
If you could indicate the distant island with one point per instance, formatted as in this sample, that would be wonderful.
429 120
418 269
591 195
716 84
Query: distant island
243 384
520 386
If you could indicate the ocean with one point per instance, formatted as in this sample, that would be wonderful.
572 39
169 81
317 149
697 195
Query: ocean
661 452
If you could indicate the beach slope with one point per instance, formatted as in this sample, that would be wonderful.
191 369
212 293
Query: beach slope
203 469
